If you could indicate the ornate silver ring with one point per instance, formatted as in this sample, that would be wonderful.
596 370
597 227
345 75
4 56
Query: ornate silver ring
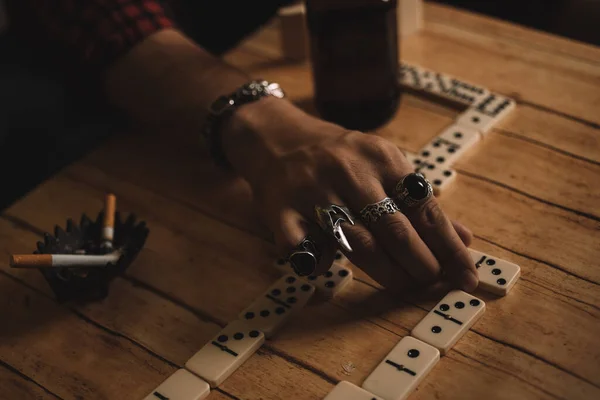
330 220
373 212
413 190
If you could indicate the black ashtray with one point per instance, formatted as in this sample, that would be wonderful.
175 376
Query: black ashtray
91 283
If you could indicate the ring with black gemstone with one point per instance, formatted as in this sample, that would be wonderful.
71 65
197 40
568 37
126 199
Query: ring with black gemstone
305 257
413 190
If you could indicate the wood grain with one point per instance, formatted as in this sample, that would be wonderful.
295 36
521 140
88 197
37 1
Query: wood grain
528 192
163 326
70 356
316 337
14 386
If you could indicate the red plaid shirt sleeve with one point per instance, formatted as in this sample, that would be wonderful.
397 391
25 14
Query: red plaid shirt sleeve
96 31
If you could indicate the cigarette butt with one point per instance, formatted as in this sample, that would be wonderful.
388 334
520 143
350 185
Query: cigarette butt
62 260
110 202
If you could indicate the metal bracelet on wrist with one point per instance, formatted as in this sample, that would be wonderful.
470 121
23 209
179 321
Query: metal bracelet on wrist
224 106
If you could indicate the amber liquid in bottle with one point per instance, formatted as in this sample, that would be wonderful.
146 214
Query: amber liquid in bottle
355 61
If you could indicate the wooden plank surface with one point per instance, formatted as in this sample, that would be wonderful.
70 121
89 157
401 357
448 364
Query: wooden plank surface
528 191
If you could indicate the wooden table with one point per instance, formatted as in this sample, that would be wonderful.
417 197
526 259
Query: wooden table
529 191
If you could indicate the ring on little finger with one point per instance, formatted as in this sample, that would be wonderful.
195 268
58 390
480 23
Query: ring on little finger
305 257
413 190
330 220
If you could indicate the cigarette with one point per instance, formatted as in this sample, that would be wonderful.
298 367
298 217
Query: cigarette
108 226
62 260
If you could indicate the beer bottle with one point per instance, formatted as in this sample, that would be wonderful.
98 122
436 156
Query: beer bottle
355 61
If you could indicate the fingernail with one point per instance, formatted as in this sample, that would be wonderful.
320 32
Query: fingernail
468 281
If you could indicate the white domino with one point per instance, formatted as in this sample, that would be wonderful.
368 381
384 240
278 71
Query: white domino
484 115
182 385
495 275
226 352
440 176
451 318
402 369
272 309
349 391
333 281
440 85
450 145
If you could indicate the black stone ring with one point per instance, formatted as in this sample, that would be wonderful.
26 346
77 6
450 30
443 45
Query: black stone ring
305 257
413 190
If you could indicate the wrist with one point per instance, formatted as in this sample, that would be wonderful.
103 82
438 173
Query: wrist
257 135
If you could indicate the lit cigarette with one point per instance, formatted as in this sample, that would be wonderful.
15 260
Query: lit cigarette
62 260
108 226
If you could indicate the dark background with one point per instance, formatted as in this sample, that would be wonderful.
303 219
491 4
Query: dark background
575 19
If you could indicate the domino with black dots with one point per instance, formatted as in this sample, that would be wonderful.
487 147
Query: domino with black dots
496 275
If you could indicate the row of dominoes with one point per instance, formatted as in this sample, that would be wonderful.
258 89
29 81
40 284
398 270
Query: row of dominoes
484 110
241 338
407 364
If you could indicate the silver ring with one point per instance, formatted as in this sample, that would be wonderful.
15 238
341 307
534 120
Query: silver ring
305 257
413 190
372 212
330 220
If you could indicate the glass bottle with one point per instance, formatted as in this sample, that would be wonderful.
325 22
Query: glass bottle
355 61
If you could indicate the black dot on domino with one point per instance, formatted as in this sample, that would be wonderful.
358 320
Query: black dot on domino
249 315
447 173
425 153
451 150
329 284
459 304
413 353
238 336
338 255
254 334
475 119
278 311
312 278
474 302
275 292
305 288
496 271
457 135
328 274
436 144
501 281
343 273
440 159
291 300
290 279
265 313
430 166
490 261
290 289
444 307
436 329
222 338
437 182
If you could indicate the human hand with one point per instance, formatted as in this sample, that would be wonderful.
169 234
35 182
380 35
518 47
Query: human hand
294 162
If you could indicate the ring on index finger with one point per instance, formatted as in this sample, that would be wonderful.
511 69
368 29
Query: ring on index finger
305 257
330 219
413 190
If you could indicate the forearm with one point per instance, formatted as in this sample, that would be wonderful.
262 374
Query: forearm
168 82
